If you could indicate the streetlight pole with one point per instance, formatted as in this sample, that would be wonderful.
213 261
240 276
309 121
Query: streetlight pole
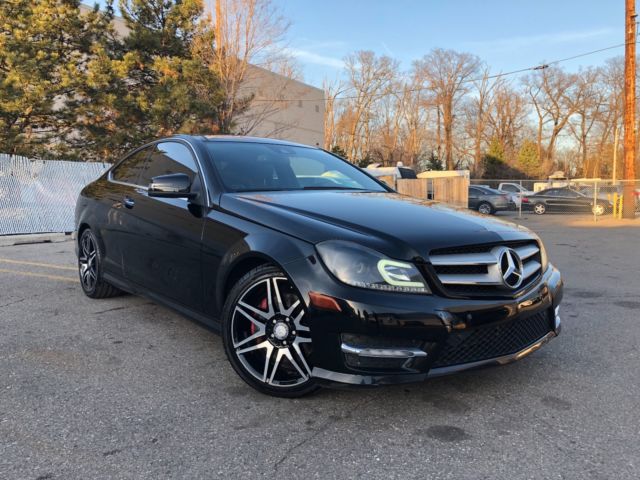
628 207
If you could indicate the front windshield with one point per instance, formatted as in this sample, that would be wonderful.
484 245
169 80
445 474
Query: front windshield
253 167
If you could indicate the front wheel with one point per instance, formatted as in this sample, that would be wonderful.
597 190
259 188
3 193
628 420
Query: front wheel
598 209
265 335
539 208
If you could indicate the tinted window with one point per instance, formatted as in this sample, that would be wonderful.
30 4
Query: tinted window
566 193
475 191
129 170
407 172
510 188
169 157
261 166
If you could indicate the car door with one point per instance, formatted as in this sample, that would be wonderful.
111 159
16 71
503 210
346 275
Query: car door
578 202
164 255
122 193
553 200
567 200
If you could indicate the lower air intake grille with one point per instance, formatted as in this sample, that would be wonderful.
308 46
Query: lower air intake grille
483 343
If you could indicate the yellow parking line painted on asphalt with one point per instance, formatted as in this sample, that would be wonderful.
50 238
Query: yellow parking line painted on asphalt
36 264
42 275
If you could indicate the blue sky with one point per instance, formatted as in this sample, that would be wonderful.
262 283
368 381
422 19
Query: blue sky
507 34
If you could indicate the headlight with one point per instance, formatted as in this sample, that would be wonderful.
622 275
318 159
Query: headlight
543 256
362 267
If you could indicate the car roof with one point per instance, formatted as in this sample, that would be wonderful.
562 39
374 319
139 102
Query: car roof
487 188
241 139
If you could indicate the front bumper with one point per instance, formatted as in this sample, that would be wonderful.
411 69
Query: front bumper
385 338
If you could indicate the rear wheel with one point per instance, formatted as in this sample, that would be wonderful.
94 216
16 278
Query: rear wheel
265 335
90 268
539 208
485 208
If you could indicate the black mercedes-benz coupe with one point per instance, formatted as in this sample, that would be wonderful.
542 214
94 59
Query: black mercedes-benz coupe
314 272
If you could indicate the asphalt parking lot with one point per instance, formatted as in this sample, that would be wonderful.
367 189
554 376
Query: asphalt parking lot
124 388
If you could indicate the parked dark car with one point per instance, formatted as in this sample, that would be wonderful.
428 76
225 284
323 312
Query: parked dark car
488 200
314 272
565 199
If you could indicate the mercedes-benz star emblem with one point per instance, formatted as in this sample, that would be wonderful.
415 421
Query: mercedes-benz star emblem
511 268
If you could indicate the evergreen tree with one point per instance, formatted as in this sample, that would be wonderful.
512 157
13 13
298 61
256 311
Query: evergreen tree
45 46
152 83
434 163
528 160
493 160
338 150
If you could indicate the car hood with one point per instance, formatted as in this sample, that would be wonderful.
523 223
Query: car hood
400 226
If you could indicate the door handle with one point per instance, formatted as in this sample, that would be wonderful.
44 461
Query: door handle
128 202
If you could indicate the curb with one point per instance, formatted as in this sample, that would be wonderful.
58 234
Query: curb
10 240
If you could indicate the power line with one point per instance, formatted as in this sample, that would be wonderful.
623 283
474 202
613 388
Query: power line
541 66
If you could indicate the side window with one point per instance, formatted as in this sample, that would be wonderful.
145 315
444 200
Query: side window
474 191
509 188
167 158
129 170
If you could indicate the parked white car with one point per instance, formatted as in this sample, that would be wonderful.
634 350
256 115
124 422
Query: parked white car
515 192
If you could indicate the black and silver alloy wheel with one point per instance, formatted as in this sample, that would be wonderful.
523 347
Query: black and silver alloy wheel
89 268
87 261
265 336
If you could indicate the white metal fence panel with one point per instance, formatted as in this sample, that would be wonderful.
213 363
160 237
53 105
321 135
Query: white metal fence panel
38 196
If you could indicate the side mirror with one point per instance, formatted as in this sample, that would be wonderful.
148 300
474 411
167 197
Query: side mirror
174 185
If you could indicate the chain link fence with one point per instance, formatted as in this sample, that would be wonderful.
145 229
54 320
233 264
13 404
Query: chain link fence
594 198
39 196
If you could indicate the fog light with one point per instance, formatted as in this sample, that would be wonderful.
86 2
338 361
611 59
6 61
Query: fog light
557 319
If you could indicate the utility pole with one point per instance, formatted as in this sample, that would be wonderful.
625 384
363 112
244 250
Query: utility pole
628 207
616 139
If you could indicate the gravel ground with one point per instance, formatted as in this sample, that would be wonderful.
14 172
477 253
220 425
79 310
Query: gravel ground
124 388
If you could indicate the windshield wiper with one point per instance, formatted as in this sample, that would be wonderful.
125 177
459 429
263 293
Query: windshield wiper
337 187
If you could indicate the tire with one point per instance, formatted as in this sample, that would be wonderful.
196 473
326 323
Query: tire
598 209
90 268
264 336
539 208
485 208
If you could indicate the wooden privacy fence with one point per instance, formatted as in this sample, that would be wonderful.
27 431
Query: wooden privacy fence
451 190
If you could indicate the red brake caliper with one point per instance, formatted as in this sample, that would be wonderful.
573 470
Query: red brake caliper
261 306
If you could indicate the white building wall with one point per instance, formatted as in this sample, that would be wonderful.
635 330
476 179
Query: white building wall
283 108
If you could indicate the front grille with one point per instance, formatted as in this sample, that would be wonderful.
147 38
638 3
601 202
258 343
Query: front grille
475 270
493 341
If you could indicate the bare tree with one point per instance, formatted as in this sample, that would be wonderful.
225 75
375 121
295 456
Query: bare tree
506 117
589 104
478 111
248 33
331 92
551 91
448 75
370 78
